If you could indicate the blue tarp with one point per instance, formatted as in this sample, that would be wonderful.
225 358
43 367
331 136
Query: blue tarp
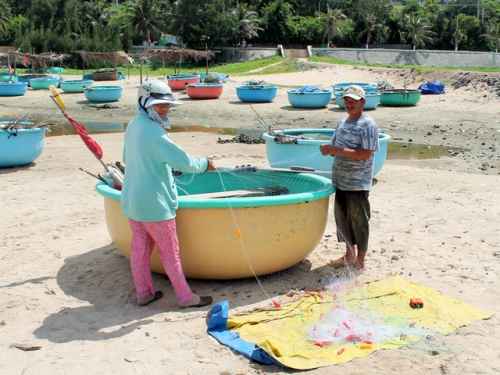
217 328
434 87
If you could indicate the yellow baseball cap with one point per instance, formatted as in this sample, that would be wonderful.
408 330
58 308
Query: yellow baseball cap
355 92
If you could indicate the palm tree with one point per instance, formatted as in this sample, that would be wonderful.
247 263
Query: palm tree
248 25
332 19
145 17
459 34
374 28
493 35
416 31
4 21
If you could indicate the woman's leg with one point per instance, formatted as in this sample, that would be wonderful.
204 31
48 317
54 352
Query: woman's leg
142 246
164 234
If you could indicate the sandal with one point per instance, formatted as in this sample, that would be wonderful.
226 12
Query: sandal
204 301
150 299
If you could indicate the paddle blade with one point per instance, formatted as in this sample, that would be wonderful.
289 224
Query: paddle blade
57 97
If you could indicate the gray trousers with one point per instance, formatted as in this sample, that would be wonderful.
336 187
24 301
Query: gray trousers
352 216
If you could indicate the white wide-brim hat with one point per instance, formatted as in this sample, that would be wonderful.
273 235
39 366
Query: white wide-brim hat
161 99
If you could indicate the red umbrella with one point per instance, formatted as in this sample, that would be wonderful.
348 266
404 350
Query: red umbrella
91 143
80 129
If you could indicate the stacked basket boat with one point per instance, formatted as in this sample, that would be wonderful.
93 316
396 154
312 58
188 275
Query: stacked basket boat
372 99
209 88
180 81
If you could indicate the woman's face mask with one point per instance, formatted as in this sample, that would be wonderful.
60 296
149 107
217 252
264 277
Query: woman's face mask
161 119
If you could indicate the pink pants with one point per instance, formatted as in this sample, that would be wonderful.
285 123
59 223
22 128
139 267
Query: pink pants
164 234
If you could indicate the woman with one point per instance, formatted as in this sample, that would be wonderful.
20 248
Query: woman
149 197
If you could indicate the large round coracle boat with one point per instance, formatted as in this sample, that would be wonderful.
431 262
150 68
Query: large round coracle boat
181 80
20 146
204 90
237 223
300 148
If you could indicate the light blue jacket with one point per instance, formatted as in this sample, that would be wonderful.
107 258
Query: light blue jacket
149 190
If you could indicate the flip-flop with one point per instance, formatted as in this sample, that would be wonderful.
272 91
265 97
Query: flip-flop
204 301
158 294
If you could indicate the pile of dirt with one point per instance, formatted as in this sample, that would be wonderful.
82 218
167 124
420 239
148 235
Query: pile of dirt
478 81
489 82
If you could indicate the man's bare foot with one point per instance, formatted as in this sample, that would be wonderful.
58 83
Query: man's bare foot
359 265
344 261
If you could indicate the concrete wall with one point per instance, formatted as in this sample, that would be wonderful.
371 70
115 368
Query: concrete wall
244 54
418 57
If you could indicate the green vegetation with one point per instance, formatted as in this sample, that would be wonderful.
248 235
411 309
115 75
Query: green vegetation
286 66
242 68
417 68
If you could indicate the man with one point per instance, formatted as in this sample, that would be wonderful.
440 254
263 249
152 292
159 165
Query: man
353 145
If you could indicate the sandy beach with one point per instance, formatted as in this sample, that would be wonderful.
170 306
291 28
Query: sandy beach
65 288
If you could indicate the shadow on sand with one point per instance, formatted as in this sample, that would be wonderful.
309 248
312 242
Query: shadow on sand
102 278
18 168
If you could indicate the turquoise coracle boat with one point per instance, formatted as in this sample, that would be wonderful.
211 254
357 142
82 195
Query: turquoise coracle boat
13 88
368 87
309 97
400 98
7 77
20 146
300 148
372 99
44 82
78 85
257 93
103 94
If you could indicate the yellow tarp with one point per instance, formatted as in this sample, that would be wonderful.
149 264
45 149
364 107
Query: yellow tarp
283 333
